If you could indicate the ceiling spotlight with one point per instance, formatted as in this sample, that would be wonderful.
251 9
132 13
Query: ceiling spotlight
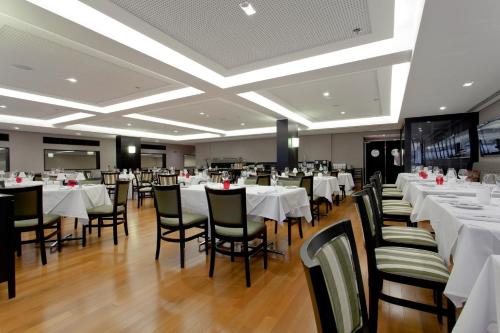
3 106
16 128
242 124
72 80
202 113
326 94
176 131
129 124
78 133
442 108
247 8
468 84
342 112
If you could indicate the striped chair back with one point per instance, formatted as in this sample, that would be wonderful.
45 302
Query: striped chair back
110 178
146 177
164 179
264 180
331 266
216 177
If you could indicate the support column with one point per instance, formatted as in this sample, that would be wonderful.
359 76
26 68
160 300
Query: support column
128 152
287 144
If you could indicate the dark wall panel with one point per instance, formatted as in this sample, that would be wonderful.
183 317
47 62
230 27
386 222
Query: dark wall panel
124 159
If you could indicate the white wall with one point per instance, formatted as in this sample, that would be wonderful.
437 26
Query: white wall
490 113
340 147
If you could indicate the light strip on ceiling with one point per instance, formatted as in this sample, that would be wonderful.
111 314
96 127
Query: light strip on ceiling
70 117
173 123
140 134
258 99
406 18
251 131
24 121
135 103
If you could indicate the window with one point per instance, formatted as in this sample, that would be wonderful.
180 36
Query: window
71 159
153 160
4 159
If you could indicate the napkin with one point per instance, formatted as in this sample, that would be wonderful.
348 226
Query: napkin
80 176
22 174
294 170
61 176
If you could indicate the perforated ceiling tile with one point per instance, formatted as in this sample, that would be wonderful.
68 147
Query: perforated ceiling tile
52 63
222 32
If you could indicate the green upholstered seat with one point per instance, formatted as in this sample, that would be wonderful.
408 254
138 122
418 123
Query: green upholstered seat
408 235
395 202
335 259
397 210
389 186
187 219
289 182
254 228
105 210
415 263
145 189
47 219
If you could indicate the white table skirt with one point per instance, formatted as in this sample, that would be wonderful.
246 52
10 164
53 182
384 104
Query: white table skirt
405 178
346 179
470 242
74 202
275 203
325 187
416 192
193 180
481 313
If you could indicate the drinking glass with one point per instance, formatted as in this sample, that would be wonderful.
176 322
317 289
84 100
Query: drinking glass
286 171
435 170
451 174
489 178
225 175
463 174
274 178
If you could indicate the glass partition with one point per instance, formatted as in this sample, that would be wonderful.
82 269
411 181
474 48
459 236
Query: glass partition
71 159
153 160
4 159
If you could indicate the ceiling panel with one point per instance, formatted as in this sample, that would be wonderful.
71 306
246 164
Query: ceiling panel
217 113
222 32
32 63
23 108
139 125
357 94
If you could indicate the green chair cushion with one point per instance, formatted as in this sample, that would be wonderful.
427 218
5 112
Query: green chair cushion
187 219
105 210
395 202
254 228
389 186
397 210
145 189
47 220
407 235
392 195
415 263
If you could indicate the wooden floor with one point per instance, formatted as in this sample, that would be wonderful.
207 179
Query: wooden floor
106 288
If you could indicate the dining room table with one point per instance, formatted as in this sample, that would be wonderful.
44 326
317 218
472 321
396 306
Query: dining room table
345 178
481 313
326 187
467 233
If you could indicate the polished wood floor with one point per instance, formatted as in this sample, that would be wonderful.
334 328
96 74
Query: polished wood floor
106 288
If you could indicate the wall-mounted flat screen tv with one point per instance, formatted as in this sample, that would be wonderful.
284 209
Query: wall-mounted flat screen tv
489 138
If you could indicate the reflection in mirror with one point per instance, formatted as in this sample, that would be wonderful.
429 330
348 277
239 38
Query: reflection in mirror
71 159
152 160
4 159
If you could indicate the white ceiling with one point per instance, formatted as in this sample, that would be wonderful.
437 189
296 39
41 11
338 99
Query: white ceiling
208 56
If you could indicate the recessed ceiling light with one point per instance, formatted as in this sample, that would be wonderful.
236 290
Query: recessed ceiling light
428 121
442 108
72 80
3 106
242 124
176 131
16 128
342 112
326 94
202 113
78 133
468 84
129 124
247 8
207 115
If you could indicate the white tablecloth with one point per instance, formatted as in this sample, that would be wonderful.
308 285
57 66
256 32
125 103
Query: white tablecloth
193 180
404 178
325 187
346 179
416 192
74 202
469 236
275 203
482 310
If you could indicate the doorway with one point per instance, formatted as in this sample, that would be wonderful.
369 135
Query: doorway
384 156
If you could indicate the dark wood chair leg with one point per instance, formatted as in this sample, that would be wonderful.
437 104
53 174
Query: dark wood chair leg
439 304
41 239
125 224
84 235
299 221
451 315
158 242
182 246
275 227
247 263
90 225
374 291
264 240
99 223
115 230
206 238
289 232
232 251
59 236
76 223
138 199
19 249
212 257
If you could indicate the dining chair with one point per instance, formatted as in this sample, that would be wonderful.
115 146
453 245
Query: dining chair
251 181
171 219
29 217
392 209
307 182
331 265
166 179
109 179
144 181
388 192
264 180
409 266
418 238
116 213
229 224
216 177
